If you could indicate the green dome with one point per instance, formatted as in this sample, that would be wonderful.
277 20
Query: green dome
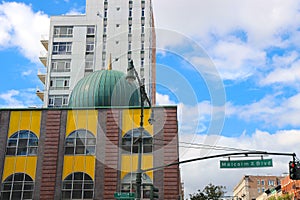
104 88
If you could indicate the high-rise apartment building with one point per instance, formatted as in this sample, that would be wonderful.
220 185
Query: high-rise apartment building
111 32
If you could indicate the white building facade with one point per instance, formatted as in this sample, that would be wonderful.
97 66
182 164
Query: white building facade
111 31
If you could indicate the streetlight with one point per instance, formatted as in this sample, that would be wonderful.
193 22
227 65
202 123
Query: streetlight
131 76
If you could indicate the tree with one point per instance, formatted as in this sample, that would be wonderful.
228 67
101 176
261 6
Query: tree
283 197
210 192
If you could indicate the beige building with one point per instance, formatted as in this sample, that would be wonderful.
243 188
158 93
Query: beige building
250 187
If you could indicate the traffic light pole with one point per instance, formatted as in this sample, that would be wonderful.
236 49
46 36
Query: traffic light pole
223 155
132 74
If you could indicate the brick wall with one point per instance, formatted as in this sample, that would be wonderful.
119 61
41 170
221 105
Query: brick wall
50 156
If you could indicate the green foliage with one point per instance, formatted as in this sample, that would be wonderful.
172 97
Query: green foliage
210 192
284 197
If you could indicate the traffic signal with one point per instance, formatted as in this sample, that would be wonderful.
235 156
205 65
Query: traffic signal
154 192
294 169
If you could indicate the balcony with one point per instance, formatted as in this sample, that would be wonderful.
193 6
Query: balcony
43 58
45 41
40 94
42 76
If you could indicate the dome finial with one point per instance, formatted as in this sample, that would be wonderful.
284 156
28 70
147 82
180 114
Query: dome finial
109 67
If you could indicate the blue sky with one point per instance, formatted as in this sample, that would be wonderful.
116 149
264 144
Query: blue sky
251 47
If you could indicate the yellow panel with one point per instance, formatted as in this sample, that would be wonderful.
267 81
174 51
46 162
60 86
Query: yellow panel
9 167
68 166
31 166
36 122
129 164
81 119
25 120
90 165
84 164
79 164
92 121
131 119
21 164
14 123
71 122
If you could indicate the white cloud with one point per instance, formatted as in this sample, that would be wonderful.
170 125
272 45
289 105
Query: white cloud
236 34
197 175
284 75
236 60
272 110
10 99
162 99
21 27
220 18
18 98
27 73
74 11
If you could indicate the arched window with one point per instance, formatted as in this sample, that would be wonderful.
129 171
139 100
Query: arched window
130 144
78 185
128 184
80 142
17 186
23 142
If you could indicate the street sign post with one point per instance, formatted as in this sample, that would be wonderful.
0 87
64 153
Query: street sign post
128 196
246 163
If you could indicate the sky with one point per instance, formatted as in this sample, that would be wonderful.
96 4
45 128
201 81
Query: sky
231 66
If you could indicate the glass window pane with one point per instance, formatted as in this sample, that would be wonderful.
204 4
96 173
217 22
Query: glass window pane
19 177
27 195
81 134
23 134
32 136
5 195
80 142
59 83
33 142
78 176
90 150
11 151
77 194
91 141
88 185
88 179
12 142
77 185
88 194
58 101
67 185
17 186
28 178
70 141
16 195
135 149
22 151
90 135
148 149
32 151
23 143
66 194
6 186
79 150
28 186
69 150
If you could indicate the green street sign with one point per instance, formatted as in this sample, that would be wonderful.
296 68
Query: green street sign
246 163
120 195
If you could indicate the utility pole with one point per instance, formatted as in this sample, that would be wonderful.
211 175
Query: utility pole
131 76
